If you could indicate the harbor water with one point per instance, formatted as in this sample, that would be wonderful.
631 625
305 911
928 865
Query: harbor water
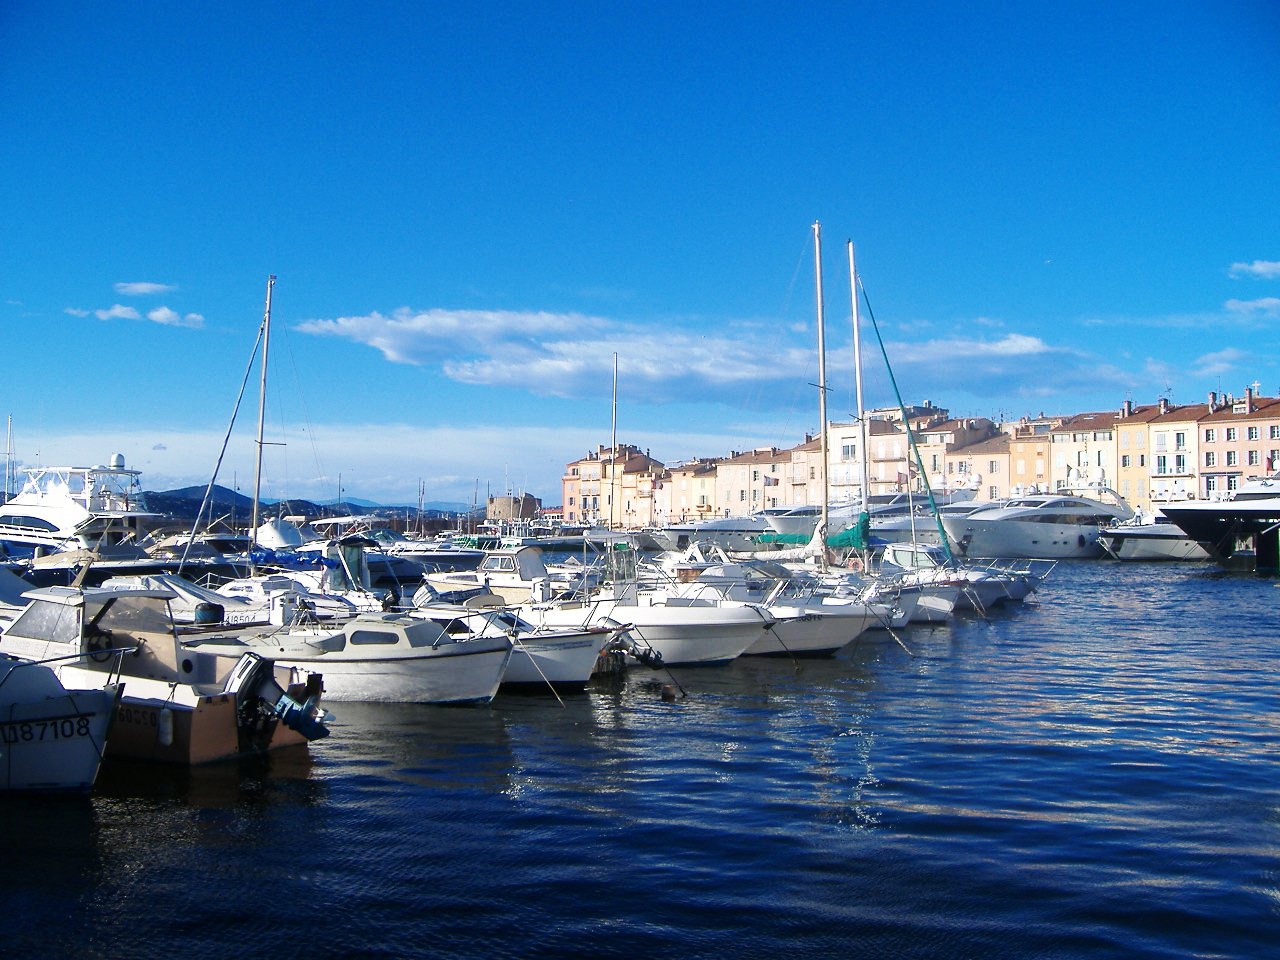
1094 773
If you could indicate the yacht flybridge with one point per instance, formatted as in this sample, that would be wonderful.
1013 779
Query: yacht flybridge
68 508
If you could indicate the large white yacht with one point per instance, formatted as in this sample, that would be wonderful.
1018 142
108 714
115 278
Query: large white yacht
1053 526
66 508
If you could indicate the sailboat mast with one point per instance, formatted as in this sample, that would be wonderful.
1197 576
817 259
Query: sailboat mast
262 415
822 380
613 442
857 374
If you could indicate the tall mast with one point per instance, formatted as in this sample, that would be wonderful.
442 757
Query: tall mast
613 442
262 415
857 371
8 461
822 381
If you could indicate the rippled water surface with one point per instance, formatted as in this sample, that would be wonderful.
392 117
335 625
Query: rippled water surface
1092 774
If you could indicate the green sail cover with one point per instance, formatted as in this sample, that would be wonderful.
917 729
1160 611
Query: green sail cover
851 538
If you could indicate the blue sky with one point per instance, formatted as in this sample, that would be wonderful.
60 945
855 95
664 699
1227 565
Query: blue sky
470 209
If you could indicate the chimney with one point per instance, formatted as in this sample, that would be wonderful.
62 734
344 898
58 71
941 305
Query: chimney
1248 399
1164 406
1213 401
1127 409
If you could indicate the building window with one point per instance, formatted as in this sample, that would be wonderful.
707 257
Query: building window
1179 441
1233 458
993 493
1142 459
1255 433
1231 434
1233 483
1210 485
1210 435
1162 464
849 451
993 466
1253 458
1210 459
1274 432
1124 460
1180 463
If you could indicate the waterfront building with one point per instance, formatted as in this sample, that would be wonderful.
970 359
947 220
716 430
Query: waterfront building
1173 437
1083 451
1150 454
749 481
686 492
1238 438
1133 446
987 466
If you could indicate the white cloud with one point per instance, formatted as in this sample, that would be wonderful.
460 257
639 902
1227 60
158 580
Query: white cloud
566 355
172 318
75 312
143 288
118 312
1265 306
1258 269
1217 363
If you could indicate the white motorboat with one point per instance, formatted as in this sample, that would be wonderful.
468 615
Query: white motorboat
51 738
517 576
809 621
541 657
274 598
980 586
661 631
180 706
1057 526
388 657
1155 538
732 533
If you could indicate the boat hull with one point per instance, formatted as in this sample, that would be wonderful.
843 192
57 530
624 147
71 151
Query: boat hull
1019 539
457 673
1139 544
56 745
564 660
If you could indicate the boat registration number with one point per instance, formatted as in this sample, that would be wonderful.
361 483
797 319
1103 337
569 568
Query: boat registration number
38 731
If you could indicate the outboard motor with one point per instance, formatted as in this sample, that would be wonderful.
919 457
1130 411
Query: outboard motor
261 700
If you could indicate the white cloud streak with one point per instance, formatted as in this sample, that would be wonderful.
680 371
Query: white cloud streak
1257 270
143 289
171 318
1264 306
118 312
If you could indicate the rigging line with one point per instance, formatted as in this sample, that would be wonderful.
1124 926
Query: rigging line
906 424
208 493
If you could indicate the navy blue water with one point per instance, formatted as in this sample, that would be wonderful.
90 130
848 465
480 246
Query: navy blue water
1093 774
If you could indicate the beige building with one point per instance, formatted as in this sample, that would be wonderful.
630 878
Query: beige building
1150 454
1238 438
686 492
610 486
1133 446
986 466
1083 451
1030 447
751 481
945 451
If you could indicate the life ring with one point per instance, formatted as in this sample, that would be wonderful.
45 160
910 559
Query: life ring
854 563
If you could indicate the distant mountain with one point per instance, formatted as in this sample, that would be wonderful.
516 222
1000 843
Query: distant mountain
182 505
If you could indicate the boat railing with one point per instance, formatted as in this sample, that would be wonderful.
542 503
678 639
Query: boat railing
98 656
